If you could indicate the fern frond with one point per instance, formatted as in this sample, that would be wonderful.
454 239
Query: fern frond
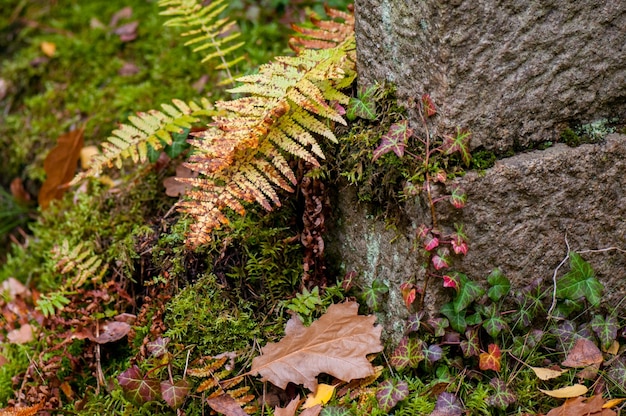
206 30
328 33
153 128
288 107
80 260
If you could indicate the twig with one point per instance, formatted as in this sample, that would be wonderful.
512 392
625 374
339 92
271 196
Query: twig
554 280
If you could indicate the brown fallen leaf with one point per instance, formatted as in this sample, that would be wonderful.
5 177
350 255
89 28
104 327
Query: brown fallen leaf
174 187
312 411
335 344
19 193
14 288
582 406
290 410
226 405
22 335
583 354
112 331
60 165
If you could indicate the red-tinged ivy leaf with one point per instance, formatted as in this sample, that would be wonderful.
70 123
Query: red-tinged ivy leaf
394 140
471 346
139 388
428 106
414 321
439 325
433 353
335 411
451 280
494 325
174 394
430 242
422 231
605 329
490 360
439 176
459 245
348 280
468 292
458 143
447 405
408 353
409 292
617 372
158 347
503 396
457 198
441 259
339 108
390 392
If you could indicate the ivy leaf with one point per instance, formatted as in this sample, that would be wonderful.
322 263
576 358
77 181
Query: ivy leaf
175 393
441 260
605 329
428 106
450 280
579 282
408 353
503 396
158 347
471 346
458 199
409 292
617 372
468 292
390 392
139 388
457 319
447 405
335 411
374 294
430 242
394 140
335 344
490 360
439 325
364 106
433 353
500 285
494 325
458 143
414 321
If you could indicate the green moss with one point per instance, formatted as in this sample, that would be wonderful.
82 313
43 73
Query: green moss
570 138
483 159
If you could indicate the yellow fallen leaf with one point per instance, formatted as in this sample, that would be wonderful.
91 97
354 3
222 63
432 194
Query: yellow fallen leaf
566 392
86 154
48 48
613 349
547 373
612 403
322 395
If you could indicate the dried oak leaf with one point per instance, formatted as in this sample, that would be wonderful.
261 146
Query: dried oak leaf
226 405
335 344
60 165
290 410
583 353
581 406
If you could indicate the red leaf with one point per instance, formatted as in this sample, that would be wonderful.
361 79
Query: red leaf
458 143
440 262
408 293
394 140
430 242
175 393
490 360
449 281
60 166
226 405
428 106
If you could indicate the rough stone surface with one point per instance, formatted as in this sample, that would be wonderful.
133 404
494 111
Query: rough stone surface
514 72
518 217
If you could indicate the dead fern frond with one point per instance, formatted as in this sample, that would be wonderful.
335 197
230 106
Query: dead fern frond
241 154
206 30
328 33
153 128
